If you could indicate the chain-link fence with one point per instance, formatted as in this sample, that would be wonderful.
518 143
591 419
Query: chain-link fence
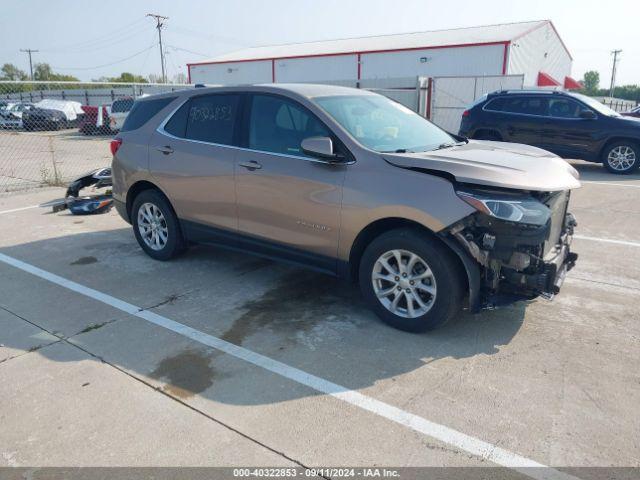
52 132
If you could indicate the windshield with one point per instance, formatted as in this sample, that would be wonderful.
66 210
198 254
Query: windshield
383 125
596 105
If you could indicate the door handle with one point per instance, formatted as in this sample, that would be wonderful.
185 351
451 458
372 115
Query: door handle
252 165
166 149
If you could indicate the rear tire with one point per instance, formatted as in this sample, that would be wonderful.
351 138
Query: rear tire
156 226
621 157
421 294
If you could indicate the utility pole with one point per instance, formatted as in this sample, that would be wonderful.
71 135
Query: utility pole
30 51
615 54
159 24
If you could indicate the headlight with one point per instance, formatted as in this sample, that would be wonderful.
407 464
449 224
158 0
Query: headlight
512 209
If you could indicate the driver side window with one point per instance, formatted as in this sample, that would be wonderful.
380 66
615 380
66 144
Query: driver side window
279 125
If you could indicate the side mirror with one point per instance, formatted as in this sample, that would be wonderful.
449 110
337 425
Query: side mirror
587 114
321 147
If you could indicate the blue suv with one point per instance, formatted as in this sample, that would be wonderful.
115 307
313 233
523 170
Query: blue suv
568 124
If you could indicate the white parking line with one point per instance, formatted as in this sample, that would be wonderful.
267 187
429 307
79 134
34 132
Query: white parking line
434 430
608 240
18 209
610 184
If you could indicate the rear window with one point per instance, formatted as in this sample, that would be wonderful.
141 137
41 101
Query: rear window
142 111
212 118
122 105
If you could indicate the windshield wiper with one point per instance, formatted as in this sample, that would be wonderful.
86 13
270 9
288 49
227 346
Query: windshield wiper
449 145
399 150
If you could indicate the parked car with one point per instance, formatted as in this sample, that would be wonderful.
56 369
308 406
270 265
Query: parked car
94 124
568 124
51 114
634 112
119 110
349 183
11 114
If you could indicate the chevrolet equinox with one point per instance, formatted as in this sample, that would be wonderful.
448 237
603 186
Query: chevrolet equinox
349 183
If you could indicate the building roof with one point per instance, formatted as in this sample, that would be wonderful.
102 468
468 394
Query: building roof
488 34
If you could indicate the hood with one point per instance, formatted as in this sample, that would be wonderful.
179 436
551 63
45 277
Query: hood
496 164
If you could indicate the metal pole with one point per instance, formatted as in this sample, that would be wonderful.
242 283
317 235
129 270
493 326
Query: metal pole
30 51
613 71
159 24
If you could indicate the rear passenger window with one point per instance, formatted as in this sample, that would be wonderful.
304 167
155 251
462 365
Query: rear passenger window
278 125
177 124
142 111
212 118
522 105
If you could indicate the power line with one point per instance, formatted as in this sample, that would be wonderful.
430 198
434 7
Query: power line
107 64
614 67
30 51
91 43
159 24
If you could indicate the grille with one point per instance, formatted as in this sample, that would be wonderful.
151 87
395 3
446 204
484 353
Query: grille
558 206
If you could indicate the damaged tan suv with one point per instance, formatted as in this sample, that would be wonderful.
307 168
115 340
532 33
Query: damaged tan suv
352 184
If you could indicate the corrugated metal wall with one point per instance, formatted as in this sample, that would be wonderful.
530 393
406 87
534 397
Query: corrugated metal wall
335 67
477 60
472 60
539 51
234 73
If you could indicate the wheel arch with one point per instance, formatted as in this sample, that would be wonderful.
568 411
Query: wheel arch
137 188
383 225
617 138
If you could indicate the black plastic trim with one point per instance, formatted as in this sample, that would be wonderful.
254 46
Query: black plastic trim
239 242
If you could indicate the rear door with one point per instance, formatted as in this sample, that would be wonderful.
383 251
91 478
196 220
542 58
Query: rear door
520 117
192 158
566 133
286 198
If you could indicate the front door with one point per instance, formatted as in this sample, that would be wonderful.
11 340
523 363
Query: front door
566 133
192 159
287 201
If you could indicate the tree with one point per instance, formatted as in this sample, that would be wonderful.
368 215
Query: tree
43 72
591 81
179 78
11 72
126 77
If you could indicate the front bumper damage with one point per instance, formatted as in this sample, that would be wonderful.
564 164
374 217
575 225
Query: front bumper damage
509 261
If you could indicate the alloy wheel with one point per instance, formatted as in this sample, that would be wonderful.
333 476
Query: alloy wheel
621 158
403 283
152 226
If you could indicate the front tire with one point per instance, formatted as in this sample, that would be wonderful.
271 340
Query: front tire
156 226
411 281
621 157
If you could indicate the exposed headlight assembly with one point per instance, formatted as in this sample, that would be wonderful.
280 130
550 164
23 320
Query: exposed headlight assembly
512 209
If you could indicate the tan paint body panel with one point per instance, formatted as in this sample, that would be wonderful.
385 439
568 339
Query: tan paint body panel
315 206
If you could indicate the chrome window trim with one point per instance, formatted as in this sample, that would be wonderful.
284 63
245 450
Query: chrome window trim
160 129
484 108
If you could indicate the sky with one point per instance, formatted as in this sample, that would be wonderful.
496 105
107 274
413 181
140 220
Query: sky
91 39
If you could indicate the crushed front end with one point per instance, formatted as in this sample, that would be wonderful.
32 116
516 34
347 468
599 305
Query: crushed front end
519 242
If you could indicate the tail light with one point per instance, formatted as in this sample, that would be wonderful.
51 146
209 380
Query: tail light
466 113
115 145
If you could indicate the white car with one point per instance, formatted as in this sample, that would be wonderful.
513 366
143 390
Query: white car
11 115
119 110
